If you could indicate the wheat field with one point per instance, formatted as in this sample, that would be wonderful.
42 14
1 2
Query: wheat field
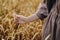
28 31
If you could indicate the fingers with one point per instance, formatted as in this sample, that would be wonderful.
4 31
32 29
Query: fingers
15 18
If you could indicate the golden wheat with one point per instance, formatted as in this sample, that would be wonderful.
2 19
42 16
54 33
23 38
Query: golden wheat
8 30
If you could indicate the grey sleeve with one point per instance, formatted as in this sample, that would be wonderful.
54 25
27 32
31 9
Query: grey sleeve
42 11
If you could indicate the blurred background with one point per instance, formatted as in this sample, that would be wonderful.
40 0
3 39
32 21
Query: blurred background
8 30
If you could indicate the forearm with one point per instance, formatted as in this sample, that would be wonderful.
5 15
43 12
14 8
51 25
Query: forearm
29 18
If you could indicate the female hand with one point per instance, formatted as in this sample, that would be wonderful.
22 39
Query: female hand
17 19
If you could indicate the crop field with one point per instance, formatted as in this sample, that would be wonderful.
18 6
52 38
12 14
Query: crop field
28 31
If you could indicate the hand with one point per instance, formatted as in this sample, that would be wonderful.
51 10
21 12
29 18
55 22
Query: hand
17 19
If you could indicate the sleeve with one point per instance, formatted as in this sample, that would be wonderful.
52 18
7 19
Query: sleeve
42 11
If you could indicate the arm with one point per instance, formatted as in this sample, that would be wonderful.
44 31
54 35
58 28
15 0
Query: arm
41 13
29 18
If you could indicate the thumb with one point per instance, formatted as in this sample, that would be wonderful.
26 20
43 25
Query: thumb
14 14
